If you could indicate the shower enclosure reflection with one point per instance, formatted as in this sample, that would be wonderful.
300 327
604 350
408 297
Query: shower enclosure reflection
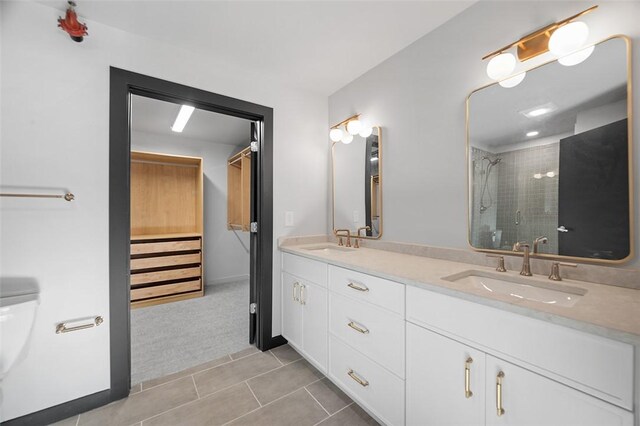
550 158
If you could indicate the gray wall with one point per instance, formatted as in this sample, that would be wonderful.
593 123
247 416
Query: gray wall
418 97
226 253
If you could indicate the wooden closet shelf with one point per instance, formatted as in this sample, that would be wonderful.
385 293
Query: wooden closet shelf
176 235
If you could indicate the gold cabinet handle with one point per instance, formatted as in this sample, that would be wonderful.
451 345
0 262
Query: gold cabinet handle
358 287
296 286
357 328
302 294
467 378
499 408
64 328
360 381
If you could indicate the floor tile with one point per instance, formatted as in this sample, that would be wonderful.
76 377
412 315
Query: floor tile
187 372
142 405
328 395
216 409
297 409
286 354
250 350
353 415
217 378
135 388
282 381
71 421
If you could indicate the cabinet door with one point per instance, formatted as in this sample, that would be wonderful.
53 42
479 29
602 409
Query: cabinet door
445 380
291 310
314 323
528 398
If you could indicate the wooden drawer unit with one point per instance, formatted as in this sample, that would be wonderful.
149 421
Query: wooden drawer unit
377 333
378 291
165 268
372 386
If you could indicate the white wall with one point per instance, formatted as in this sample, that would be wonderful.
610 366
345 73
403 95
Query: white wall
418 97
55 135
226 253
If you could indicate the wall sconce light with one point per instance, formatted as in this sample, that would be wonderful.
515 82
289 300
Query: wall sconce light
350 127
564 39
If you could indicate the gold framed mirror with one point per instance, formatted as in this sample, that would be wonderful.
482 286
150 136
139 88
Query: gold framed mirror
551 159
357 185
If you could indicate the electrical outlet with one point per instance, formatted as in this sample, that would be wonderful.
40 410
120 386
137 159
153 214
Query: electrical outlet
288 218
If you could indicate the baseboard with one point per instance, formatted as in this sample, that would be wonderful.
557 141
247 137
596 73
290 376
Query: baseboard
226 280
62 411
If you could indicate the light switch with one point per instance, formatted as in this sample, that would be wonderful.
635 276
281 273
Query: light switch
288 218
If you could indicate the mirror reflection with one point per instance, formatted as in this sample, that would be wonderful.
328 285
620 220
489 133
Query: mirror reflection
357 202
550 158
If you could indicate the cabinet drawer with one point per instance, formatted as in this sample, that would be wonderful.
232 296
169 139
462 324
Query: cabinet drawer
376 333
310 270
163 290
372 386
164 261
165 246
595 365
172 274
367 288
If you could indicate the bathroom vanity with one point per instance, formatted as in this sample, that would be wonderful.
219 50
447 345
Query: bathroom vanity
414 341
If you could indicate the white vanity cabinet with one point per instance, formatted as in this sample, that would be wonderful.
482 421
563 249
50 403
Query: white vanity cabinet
304 308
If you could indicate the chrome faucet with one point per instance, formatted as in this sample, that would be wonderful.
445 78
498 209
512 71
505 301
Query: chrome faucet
539 240
340 237
526 265
356 244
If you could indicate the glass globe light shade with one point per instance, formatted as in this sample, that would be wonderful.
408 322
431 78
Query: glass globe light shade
577 57
335 135
501 66
354 127
347 138
568 38
513 81
366 131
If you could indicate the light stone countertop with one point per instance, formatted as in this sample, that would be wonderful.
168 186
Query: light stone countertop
605 310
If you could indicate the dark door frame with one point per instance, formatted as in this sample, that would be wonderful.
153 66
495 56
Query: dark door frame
123 85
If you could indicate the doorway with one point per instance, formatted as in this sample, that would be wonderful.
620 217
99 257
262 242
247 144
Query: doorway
124 86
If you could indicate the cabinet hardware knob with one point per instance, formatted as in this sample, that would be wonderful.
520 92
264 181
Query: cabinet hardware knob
360 381
467 378
499 407
362 330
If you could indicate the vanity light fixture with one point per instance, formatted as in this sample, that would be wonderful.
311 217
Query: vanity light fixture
532 134
565 39
182 118
352 126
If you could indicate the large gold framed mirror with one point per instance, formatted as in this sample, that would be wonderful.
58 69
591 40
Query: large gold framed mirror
357 185
551 159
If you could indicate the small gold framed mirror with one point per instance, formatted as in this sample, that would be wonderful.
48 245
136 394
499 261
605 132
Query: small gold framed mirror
357 185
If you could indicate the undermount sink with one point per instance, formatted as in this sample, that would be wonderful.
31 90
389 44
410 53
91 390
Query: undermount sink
524 288
329 248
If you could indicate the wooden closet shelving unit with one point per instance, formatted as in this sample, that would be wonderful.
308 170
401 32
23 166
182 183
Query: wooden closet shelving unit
239 191
166 228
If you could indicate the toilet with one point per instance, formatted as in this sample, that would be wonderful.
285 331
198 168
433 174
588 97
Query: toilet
19 300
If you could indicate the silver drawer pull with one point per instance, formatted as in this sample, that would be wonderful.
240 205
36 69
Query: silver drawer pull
355 326
358 287
62 327
360 381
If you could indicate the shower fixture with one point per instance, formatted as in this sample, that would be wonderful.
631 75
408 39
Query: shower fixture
486 173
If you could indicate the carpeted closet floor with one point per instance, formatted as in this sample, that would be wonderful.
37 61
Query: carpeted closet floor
176 336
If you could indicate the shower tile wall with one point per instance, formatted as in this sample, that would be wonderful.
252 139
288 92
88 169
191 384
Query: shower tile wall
523 185
483 225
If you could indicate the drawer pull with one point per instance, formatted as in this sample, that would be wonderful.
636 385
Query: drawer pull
303 301
357 328
360 381
499 408
467 378
358 287
296 286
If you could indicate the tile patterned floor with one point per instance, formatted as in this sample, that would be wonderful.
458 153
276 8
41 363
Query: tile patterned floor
273 388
